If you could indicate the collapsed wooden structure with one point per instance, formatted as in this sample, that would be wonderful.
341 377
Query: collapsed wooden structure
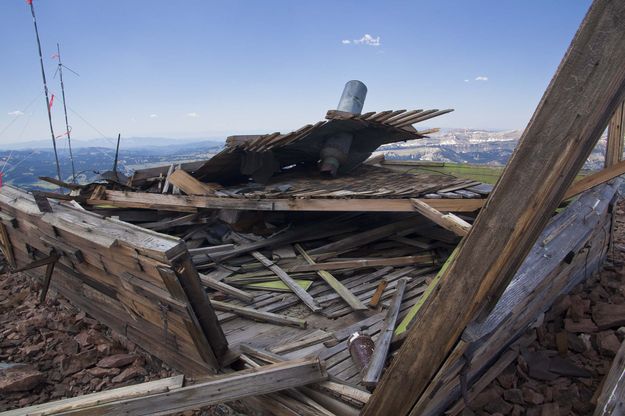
269 283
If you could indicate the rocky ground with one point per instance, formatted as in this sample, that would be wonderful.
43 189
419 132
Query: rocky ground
53 351
562 371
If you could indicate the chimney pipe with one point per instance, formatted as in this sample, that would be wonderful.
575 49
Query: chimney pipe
336 148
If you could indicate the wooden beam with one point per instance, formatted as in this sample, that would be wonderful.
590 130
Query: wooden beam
611 401
6 246
424 259
337 286
233 386
378 359
450 222
255 314
616 135
226 288
336 388
122 393
188 203
190 282
166 184
569 120
288 280
595 179
189 185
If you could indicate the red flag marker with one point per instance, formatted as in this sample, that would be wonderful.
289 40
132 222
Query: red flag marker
51 101
29 2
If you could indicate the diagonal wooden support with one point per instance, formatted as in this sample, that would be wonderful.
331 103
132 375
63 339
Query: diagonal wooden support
574 111
6 247
49 262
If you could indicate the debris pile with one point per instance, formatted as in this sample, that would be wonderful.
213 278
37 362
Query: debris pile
295 267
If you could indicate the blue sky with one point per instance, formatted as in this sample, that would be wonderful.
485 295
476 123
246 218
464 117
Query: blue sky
187 69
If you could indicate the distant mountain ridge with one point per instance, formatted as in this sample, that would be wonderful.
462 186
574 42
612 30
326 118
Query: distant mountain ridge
472 146
126 143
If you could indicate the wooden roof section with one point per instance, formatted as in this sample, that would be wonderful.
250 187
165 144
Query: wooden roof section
370 131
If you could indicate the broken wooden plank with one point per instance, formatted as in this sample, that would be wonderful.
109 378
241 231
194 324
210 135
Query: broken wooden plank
423 259
377 296
337 389
365 237
233 386
595 179
166 184
337 286
122 393
574 111
189 185
187 203
226 288
288 280
316 337
450 222
378 359
257 315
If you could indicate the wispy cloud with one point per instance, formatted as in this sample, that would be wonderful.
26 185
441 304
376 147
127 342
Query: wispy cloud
16 113
193 114
466 80
481 78
367 39
153 115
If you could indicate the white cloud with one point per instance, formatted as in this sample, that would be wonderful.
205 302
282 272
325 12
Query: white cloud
193 114
481 78
346 41
153 115
15 113
369 40
466 80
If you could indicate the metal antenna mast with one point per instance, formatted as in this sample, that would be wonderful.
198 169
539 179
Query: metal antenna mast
45 89
69 138
119 136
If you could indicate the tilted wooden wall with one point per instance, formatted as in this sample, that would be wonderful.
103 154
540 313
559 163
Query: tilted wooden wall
137 282
570 249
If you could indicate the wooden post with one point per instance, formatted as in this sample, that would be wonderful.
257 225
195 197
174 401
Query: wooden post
611 401
190 282
574 111
616 135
